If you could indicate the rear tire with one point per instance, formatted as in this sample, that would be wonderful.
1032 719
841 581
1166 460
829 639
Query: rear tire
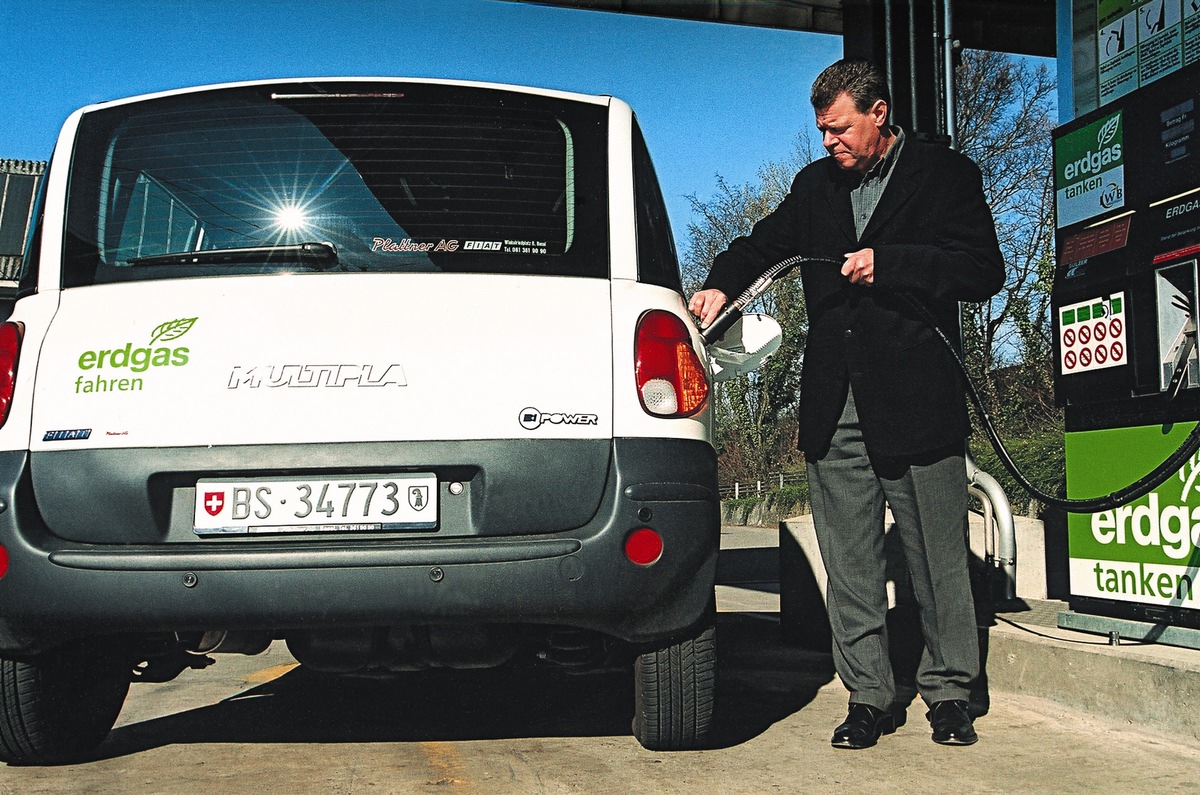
674 693
60 705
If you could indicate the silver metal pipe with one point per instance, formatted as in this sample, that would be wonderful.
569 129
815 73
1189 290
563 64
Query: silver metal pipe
889 47
989 519
1006 528
912 62
935 57
948 65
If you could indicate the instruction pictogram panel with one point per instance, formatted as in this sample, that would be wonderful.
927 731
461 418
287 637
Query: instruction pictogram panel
1091 334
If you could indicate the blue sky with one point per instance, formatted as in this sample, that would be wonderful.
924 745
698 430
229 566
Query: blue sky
711 98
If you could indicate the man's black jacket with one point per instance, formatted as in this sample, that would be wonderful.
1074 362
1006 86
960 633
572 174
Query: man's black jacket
934 240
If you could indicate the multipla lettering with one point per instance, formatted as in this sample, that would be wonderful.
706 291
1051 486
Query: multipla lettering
134 359
316 375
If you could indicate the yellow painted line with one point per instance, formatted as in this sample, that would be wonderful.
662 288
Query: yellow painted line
268 674
447 765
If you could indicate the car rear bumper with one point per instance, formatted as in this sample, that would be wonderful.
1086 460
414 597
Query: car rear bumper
55 589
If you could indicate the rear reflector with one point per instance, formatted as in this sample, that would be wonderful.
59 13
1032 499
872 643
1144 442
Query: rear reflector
671 380
10 349
643 546
3 562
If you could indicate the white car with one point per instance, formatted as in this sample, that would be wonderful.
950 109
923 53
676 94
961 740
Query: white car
396 371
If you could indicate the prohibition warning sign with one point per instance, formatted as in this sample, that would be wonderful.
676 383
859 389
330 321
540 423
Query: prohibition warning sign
1091 334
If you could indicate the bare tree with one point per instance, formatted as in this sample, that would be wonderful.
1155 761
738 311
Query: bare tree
1004 124
1005 111
756 427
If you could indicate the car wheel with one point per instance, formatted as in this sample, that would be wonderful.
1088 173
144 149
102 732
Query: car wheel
674 693
60 705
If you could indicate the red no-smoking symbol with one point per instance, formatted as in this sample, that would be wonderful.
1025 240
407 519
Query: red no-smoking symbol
1115 326
1101 354
1100 332
1118 350
1069 337
1069 360
1085 357
1085 335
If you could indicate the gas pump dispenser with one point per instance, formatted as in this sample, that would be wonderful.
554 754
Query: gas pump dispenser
1126 302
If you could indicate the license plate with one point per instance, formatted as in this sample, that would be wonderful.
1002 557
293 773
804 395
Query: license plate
347 505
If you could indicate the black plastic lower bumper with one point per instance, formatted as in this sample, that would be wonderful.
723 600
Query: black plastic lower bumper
56 589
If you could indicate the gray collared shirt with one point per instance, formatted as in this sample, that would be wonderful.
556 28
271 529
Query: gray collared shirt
864 198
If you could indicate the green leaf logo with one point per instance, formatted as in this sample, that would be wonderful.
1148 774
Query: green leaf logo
1108 131
172 329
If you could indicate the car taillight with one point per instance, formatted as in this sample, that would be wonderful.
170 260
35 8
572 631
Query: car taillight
10 347
670 376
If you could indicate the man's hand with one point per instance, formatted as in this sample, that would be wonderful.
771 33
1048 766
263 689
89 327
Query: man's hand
706 305
859 267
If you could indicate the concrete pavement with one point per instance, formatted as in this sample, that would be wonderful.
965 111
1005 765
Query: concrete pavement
261 726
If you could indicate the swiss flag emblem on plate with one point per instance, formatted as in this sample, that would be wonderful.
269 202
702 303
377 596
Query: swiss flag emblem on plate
214 501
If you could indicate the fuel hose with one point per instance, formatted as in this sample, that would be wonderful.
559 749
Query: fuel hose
733 310
1139 488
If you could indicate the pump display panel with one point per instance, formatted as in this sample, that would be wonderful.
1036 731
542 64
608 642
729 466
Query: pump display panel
1126 306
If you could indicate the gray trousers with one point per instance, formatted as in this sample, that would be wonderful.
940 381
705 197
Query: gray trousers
928 498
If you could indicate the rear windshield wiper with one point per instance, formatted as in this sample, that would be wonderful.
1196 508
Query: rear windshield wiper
318 255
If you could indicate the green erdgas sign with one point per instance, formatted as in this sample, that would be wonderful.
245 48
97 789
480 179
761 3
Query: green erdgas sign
1089 170
1090 151
1147 551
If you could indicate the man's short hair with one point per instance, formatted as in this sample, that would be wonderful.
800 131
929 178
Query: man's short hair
862 80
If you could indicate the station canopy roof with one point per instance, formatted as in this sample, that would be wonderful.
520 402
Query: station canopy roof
1024 27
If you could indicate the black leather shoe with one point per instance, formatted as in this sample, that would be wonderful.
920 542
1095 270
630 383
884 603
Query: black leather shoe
862 727
951 723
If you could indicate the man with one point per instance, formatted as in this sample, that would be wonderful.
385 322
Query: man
882 411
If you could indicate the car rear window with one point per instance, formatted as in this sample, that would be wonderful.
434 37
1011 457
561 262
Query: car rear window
371 177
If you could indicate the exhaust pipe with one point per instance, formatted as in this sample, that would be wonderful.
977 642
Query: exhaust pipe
226 642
